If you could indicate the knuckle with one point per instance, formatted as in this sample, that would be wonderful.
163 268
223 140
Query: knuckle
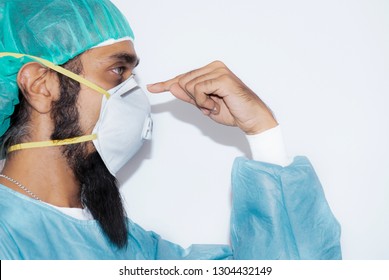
189 86
182 83
191 73
197 88
209 84
199 95
225 78
218 63
194 84
223 71
201 102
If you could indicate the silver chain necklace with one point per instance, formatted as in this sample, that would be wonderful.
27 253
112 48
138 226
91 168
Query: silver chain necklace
20 186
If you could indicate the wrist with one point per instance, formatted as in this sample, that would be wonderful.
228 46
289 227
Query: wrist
261 126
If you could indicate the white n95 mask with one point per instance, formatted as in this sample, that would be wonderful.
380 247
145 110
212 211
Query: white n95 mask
123 125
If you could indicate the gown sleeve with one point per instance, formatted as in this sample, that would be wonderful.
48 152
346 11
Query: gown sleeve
150 246
277 213
167 250
281 213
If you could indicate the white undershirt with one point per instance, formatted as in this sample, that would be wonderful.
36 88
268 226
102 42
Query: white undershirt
82 214
267 146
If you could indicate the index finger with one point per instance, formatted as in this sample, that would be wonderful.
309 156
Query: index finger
163 86
185 78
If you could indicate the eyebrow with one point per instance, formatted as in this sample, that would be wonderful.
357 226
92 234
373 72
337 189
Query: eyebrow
127 58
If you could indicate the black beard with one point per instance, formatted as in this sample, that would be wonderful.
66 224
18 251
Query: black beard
99 190
100 195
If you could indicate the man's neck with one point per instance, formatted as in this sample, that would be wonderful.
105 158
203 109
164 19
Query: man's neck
46 173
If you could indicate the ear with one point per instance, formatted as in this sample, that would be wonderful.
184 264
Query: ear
39 86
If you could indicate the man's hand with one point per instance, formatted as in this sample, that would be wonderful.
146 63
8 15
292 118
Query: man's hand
222 96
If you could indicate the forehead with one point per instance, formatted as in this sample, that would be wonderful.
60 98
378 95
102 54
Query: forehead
124 49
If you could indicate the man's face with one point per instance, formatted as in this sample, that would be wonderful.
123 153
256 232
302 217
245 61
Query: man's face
107 67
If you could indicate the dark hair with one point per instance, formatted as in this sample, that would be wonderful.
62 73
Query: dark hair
65 114
20 129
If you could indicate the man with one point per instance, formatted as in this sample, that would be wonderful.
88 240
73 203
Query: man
66 130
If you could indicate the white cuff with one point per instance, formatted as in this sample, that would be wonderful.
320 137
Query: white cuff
269 146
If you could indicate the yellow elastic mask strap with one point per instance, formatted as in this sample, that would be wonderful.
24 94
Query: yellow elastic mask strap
59 69
52 143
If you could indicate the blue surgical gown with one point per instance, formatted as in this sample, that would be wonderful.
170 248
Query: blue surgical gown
277 213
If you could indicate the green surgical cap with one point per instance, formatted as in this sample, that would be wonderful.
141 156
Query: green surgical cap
56 30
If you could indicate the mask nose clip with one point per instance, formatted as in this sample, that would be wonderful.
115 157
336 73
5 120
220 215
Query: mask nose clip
124 88
136 87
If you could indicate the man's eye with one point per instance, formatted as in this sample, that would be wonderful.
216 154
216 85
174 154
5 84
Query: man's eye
119 70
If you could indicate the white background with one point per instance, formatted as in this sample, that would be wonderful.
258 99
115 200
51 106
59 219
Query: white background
323 68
